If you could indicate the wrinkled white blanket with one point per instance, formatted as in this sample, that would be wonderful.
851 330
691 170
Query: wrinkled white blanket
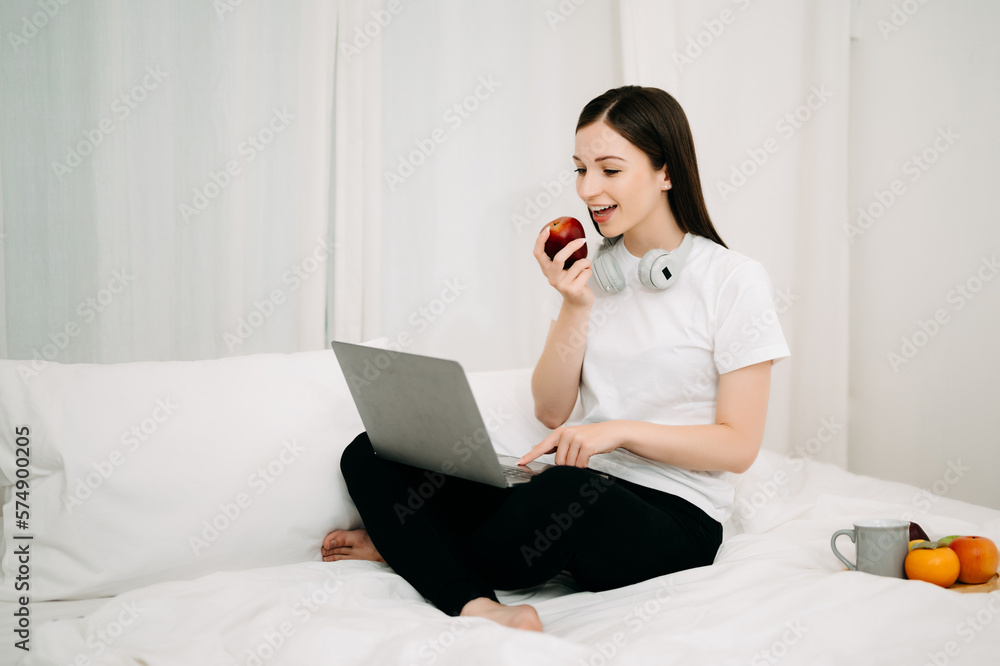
776 594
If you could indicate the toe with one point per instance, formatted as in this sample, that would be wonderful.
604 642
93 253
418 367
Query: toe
332 540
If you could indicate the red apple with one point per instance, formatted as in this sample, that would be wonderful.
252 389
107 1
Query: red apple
562 231
978 556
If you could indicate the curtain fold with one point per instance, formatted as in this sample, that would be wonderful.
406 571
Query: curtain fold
355 289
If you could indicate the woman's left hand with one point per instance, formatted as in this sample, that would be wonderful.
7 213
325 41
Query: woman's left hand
575 444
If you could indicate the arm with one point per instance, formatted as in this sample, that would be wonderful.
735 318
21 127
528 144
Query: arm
555 383
730 444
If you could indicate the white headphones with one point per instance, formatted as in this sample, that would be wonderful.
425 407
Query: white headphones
658 269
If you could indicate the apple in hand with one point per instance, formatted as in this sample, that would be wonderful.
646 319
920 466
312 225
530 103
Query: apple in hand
562 231
978 557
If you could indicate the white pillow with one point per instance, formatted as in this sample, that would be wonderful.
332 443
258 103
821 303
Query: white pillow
150 472
145 472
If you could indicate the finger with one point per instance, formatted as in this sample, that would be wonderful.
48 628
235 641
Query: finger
562 255
573 453
528 457
543 235
573 272
539 449
539 251
562 446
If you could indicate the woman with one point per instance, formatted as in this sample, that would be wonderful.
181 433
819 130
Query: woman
673 381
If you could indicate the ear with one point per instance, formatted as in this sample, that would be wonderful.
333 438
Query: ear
665 182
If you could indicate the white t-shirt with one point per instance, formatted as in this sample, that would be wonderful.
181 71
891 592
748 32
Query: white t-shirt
656 356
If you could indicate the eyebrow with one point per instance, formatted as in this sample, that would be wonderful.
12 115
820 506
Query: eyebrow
602 158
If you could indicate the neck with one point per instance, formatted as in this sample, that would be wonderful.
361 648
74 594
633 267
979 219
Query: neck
662 233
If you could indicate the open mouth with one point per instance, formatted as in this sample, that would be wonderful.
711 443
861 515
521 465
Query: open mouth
604 214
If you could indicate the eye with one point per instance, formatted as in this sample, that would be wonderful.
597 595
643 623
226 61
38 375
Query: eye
580 171
612 172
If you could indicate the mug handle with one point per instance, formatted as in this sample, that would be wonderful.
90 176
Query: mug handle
833 544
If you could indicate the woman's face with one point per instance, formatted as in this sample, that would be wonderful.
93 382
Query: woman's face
617 182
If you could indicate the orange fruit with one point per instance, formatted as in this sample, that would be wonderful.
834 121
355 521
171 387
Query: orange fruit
910 546
933 565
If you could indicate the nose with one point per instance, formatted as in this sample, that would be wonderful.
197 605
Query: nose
587 186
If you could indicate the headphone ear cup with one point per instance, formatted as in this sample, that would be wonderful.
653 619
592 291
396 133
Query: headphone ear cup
651 270
658 269
609 275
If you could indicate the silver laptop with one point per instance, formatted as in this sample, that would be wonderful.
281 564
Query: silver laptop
420 411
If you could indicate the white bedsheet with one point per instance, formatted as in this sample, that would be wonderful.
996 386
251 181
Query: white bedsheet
776 594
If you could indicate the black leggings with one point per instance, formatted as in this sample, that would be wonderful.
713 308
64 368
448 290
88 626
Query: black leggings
455 540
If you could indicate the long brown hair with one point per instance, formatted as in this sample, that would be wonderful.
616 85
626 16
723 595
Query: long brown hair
653 121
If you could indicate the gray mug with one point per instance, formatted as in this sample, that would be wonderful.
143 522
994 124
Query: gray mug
882 545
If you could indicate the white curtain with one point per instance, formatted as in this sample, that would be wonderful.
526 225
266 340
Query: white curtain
413 151
166 178
478 105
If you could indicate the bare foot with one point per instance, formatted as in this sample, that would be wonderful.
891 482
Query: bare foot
521 616
349 545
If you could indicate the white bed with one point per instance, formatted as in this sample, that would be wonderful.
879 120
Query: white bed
137 592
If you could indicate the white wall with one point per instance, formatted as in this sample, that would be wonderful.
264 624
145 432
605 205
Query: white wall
929 416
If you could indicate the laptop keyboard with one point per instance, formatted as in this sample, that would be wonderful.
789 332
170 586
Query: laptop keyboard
516 472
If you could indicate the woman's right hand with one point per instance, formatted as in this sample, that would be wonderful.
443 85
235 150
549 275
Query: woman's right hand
571 282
